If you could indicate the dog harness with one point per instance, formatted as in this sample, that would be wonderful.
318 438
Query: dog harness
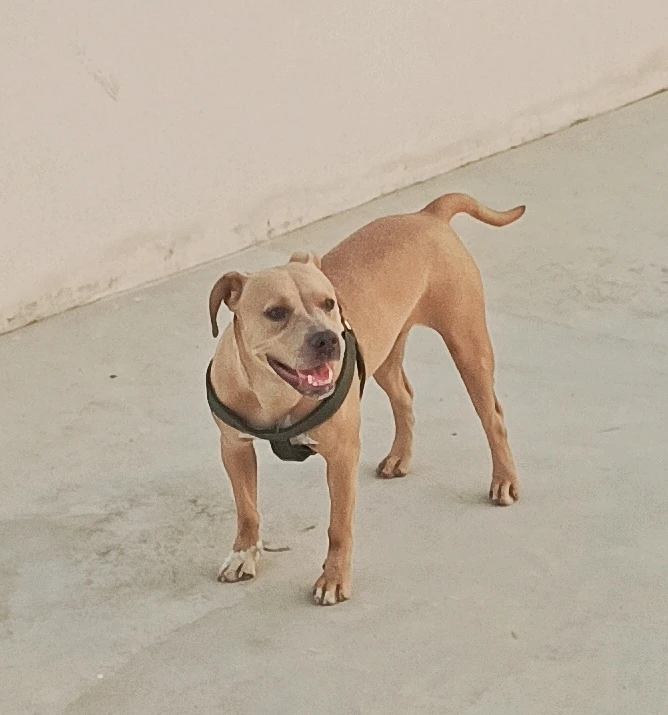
280 438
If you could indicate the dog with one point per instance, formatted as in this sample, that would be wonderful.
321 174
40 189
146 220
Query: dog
282 355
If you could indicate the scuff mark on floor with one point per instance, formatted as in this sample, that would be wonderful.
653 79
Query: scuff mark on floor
108 82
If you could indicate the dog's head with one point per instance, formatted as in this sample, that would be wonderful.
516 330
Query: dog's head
288 322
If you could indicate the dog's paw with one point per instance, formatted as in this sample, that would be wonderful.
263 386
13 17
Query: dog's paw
240 565
504 491
331 589
393 466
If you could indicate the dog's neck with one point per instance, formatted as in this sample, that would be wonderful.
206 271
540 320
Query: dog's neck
242 384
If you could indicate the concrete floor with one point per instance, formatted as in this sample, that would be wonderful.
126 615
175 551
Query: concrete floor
116 512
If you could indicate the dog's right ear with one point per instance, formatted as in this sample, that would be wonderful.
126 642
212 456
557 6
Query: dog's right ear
305 257
227 289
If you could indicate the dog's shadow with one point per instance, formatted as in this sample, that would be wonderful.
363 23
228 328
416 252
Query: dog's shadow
436 489
472 498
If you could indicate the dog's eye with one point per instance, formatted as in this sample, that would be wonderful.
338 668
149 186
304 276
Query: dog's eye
328 305
277 313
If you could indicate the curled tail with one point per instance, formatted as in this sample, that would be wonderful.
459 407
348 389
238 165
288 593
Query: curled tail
447 206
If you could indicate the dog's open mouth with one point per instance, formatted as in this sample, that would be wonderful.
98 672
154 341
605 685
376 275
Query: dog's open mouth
314 382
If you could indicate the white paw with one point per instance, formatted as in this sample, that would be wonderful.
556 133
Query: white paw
330 590
240 565
324 598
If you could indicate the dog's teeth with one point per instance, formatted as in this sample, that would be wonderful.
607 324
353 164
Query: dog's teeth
309 379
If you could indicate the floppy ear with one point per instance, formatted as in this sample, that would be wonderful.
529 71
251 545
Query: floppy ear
303 257
228 290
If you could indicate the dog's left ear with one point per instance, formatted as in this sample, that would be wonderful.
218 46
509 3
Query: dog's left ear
305 257
228 289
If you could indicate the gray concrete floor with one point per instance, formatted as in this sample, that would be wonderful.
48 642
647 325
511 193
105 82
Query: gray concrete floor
116 512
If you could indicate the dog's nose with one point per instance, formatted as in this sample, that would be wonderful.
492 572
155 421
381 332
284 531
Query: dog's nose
325 344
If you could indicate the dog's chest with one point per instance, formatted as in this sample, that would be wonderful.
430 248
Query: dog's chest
303 439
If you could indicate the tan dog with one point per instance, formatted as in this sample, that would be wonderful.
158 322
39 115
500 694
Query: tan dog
283 349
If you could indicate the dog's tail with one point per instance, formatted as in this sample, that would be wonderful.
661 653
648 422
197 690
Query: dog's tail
447 206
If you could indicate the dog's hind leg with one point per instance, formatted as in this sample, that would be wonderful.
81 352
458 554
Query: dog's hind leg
477 371
392 379
464 330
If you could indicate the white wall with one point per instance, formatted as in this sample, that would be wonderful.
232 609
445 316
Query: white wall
141 138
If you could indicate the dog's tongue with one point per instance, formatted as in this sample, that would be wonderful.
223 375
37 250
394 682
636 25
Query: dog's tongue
317 377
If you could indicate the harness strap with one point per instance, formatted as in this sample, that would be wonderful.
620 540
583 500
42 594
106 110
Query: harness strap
280 437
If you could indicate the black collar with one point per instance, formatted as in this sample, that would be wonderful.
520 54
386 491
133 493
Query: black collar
279 437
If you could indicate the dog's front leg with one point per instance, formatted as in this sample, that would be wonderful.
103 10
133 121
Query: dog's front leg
333 585
240 463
